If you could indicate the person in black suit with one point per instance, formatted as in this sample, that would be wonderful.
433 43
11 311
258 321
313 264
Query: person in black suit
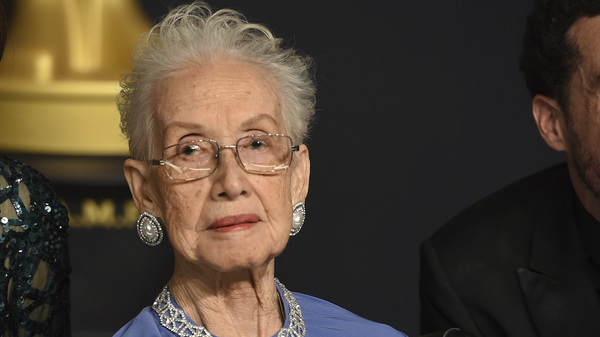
525 260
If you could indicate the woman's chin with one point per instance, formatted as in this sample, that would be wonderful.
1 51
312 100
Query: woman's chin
233 262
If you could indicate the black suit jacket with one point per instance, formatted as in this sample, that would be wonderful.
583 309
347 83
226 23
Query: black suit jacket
512 265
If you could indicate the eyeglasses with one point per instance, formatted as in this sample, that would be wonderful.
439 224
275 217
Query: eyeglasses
197 159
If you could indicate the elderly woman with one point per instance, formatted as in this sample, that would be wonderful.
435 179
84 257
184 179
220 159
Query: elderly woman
215 111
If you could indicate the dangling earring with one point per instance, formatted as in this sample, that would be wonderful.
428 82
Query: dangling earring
149 229
298 216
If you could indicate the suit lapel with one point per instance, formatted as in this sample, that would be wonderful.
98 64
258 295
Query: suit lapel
556 285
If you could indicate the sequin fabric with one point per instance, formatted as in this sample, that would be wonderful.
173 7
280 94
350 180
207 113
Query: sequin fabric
34 273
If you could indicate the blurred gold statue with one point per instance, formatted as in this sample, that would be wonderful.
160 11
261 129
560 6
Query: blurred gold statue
60 72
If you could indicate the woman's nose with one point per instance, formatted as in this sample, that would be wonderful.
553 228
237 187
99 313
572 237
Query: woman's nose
230 179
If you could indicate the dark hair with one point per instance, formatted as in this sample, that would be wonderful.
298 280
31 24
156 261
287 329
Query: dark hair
549 57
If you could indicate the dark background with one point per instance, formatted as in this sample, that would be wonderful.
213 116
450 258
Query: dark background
421 112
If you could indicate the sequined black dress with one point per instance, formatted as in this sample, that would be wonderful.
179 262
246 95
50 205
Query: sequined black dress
34 268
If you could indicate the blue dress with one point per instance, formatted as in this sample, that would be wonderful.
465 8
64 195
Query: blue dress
321 319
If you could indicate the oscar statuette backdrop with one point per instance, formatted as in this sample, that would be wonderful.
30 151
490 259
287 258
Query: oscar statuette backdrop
58 84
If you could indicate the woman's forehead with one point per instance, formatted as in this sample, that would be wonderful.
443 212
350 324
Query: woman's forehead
221 95
246 122
220 78
218 83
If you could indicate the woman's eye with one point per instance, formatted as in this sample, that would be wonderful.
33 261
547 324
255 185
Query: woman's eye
257 144
190 149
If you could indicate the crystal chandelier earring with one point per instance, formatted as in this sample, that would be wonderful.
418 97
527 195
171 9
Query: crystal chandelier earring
149 229
298 216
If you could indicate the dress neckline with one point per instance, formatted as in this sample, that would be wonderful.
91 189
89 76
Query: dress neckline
174 319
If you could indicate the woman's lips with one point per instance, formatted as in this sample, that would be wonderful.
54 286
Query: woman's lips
234 223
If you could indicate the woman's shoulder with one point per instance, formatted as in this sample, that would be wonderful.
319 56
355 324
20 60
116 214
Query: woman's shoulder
323 318
144 324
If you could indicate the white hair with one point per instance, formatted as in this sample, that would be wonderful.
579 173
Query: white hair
192 33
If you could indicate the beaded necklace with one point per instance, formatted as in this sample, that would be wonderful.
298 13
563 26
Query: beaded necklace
175 320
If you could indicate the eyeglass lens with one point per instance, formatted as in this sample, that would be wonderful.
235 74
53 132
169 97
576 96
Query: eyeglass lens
197 159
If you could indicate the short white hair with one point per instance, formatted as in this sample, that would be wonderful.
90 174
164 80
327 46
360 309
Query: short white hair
193 33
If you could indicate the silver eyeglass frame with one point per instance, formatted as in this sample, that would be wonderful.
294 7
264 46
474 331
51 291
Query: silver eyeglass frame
164 163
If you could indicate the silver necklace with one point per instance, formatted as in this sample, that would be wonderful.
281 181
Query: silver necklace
174 319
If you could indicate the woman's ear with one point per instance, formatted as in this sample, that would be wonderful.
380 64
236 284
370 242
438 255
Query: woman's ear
137 175
550 121
300 174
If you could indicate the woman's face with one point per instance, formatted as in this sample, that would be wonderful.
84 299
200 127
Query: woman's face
231 219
